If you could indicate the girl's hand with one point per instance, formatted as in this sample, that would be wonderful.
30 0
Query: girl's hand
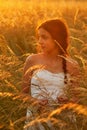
43 102
62 99
74 100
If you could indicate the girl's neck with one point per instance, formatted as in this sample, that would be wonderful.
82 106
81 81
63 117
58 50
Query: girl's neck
52 55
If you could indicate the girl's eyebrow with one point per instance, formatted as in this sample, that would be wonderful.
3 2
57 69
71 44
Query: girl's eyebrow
41 34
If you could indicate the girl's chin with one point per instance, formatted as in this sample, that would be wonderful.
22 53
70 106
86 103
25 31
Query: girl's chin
46 52
43 49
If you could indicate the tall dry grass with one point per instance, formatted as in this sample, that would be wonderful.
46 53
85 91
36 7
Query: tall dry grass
18 21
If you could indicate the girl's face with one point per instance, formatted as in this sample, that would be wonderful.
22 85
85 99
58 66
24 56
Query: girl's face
46 41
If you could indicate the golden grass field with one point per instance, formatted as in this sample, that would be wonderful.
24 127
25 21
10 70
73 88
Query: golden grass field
18 21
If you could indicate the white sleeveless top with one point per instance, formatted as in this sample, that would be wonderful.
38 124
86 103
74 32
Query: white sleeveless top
47 85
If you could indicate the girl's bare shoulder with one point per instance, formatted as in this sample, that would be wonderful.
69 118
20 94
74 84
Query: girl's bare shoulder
33 58
30 61
73 66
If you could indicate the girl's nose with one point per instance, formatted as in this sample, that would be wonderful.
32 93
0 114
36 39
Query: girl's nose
40 41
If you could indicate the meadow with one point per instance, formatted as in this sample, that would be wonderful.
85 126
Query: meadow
18 21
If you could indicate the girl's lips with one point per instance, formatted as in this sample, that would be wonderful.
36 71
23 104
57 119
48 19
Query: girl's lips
43 47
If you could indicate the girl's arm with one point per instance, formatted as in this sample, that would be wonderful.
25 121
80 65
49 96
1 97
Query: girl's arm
75 78
71 94
27 73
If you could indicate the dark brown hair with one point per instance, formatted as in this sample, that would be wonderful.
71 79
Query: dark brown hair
59 32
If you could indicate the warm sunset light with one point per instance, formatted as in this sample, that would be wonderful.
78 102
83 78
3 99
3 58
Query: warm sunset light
21 36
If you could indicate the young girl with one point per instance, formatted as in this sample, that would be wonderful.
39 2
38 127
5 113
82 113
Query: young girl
48 73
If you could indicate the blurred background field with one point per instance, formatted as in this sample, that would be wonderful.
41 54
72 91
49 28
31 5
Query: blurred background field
18 21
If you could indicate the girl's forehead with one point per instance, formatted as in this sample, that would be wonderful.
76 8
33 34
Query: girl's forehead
42 31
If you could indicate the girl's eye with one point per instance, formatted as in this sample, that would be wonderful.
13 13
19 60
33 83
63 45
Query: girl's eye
43 37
